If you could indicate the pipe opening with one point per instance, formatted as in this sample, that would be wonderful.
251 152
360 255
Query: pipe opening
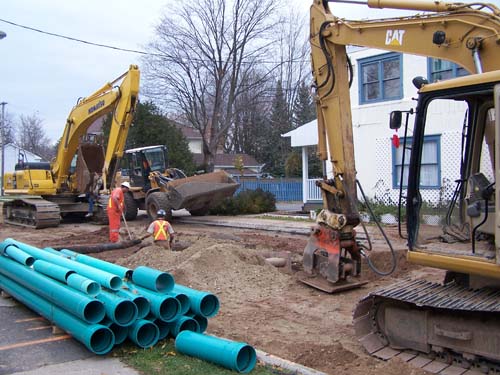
184 301
246 359
189 324
164 282
29 261
143 306
163 328
92 289
125 313
102 341
147 335
115 283
169 308
94 311
202 323
209 305
119 332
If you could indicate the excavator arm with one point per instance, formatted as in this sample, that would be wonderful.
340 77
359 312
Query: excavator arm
121 101
467 34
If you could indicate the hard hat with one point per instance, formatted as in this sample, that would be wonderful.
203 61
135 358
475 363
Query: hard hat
125 184
161 213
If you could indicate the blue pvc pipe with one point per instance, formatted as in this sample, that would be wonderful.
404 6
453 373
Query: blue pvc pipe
202 321
85 308
184 323
153 279
164 307
106 279
52 270
18 255
144 333
120 332
96 337
115 269
120 310
142 303
237 356
183 299
202 303
83 284
52 251
163 327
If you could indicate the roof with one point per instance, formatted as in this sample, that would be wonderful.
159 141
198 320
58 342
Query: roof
26 152
305 135
227 160
189 132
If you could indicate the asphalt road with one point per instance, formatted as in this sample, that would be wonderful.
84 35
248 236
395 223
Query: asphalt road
27 341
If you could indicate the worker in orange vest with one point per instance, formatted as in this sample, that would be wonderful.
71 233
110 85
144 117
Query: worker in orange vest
115 209
162 231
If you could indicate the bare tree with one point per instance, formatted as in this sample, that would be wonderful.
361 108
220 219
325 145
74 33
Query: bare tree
32 137
203 53
294 53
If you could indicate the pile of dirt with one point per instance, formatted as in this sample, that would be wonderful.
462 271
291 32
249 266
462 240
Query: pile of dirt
227 269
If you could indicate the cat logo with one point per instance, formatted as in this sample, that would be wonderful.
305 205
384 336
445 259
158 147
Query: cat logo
394 37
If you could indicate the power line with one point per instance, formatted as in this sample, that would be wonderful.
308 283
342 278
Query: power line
79 40
127 49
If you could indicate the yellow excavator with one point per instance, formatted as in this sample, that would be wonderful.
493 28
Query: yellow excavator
39 194
450 326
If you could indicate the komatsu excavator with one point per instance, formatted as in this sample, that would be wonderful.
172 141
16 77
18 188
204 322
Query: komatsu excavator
39 193
457 322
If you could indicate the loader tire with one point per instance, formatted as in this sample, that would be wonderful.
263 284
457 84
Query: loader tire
156 201
131 207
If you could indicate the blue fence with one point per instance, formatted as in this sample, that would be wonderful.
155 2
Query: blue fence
284 189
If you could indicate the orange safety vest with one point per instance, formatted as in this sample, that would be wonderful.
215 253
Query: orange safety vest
160 232
118 194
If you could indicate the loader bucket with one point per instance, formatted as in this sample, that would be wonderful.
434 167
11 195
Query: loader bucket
199 193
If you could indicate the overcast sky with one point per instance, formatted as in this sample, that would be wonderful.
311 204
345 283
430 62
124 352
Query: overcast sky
45 75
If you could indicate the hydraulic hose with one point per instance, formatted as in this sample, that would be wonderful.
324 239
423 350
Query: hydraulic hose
394 260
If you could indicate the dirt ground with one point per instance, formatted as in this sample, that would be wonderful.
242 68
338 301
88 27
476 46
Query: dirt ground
260 304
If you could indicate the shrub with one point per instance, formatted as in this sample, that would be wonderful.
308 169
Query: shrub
247 202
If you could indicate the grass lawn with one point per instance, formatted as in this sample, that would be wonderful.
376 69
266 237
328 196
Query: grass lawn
163 359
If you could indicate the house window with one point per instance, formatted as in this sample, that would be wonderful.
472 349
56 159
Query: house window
380 78
430 170
440 70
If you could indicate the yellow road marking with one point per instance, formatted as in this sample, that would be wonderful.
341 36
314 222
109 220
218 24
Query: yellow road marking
34 342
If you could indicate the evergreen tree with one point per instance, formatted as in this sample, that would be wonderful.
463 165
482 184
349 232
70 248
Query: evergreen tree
304 109
277 148
150 127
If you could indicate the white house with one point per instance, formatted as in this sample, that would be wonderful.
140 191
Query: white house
382 82
13 153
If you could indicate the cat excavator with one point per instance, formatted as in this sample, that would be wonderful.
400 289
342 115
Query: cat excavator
454 325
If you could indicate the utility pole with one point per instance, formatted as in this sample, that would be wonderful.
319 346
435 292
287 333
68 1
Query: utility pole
2 135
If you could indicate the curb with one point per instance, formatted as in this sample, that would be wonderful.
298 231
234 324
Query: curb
272 360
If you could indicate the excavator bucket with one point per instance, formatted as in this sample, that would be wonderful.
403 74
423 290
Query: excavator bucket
199 193
90 160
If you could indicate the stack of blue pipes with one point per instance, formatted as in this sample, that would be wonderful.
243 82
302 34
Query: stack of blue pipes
102 304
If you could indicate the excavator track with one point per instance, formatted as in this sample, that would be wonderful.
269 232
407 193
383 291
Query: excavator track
31 212
443 329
